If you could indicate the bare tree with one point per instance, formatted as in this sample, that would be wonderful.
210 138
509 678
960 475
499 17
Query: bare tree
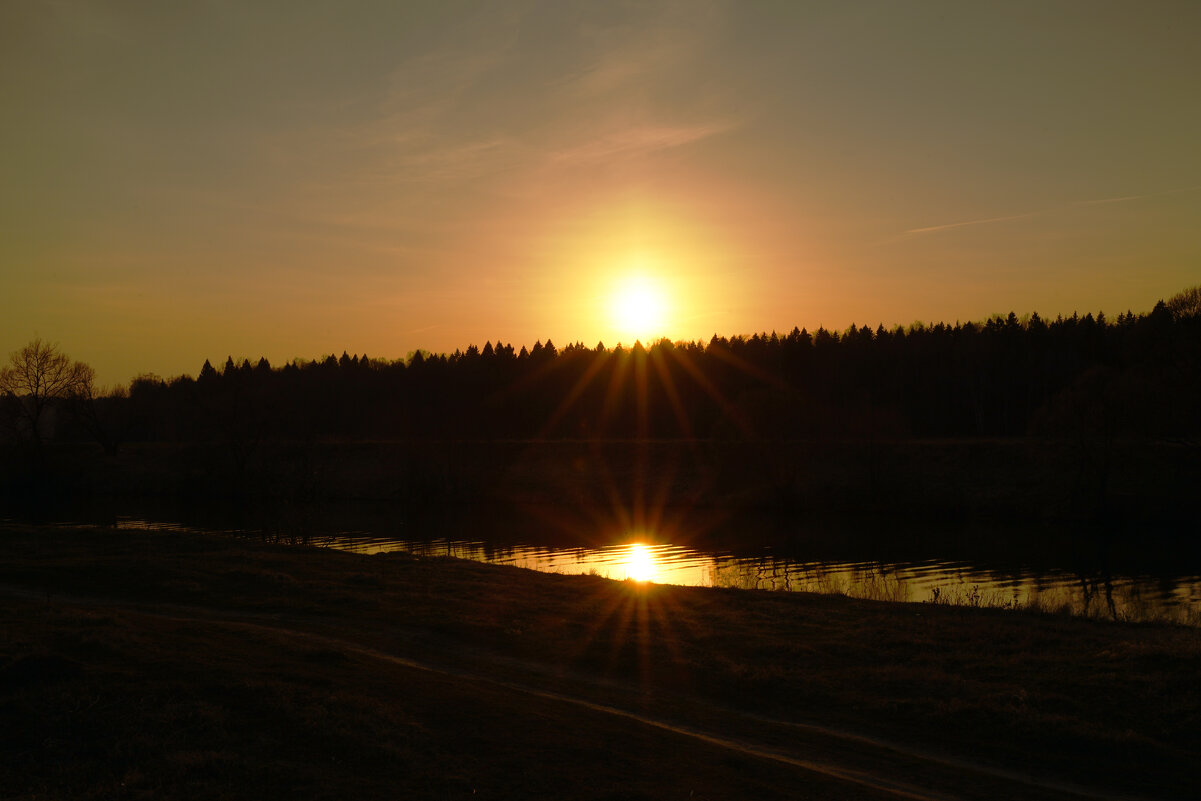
37 376
1185 303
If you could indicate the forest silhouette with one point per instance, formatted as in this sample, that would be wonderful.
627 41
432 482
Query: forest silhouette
1137 375
790 421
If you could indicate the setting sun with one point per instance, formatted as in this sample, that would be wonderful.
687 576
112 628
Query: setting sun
638 308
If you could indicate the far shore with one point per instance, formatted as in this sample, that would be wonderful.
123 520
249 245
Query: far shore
1042 492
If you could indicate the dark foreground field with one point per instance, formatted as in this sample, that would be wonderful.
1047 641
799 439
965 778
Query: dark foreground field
173 666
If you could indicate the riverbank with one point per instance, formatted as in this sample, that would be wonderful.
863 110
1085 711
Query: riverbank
178 666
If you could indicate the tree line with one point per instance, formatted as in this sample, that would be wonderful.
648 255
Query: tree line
1080 376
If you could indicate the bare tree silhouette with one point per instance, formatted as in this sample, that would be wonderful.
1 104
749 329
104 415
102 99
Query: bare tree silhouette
37 376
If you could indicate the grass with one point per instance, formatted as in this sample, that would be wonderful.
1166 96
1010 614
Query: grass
155 665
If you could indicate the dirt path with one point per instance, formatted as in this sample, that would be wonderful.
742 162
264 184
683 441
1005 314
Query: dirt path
985 776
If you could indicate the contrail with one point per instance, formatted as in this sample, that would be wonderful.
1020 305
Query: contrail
931 229
1109 200
1099 201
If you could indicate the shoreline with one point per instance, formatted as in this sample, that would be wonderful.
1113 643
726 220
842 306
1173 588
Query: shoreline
1108 592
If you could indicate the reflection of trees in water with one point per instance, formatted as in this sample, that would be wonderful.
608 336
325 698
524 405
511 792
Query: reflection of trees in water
873 581
748 574
1083 594
752 574
1090 586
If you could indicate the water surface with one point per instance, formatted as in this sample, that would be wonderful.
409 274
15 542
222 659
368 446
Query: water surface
1094 593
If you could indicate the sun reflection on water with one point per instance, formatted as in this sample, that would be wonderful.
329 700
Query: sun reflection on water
640 564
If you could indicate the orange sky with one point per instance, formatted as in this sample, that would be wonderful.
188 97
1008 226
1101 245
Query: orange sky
190 181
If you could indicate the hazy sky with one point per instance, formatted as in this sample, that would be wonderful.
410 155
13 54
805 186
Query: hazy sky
188 180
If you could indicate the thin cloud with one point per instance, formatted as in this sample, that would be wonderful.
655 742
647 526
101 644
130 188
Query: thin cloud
626 59
458 161
638 141
449 116
422 329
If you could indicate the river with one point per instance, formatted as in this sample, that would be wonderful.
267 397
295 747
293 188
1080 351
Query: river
1163 595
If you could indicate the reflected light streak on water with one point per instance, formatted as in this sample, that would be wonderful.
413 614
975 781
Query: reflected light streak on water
1176 598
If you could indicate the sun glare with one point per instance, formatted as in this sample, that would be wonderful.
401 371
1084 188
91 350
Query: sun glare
638 308
640 563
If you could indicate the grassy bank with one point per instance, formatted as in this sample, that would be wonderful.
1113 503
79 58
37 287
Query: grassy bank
187 666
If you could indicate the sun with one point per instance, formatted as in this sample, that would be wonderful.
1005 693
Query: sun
638 308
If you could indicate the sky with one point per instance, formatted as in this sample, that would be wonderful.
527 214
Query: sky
193 180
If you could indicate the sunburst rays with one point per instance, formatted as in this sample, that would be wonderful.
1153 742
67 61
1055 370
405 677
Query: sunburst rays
622 390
